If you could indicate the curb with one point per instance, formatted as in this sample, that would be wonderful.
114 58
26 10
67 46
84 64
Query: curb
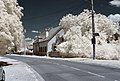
39 77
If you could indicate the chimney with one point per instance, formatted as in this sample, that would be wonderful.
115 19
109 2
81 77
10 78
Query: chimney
47 33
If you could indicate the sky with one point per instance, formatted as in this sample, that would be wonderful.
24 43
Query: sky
41 14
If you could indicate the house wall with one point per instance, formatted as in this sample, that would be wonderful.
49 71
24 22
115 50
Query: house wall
53 40
40 48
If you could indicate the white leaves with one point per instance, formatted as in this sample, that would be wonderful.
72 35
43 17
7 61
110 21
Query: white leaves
79 33
11 29
108 51
68 21
115 18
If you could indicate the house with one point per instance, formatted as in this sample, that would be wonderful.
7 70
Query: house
47 41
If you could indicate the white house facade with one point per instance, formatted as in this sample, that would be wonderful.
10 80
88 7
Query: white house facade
52 38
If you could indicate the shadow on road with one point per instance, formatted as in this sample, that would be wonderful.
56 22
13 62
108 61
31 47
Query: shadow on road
2 63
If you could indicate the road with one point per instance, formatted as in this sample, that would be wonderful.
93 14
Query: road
60 70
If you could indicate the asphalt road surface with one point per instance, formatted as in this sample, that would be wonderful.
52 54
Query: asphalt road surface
60 70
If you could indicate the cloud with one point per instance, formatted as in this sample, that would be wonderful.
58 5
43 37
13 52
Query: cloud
115 2
34 31
28 39
115 18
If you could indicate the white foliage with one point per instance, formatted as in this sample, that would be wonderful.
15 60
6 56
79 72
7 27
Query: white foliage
108 51
116 19
10 25
79 33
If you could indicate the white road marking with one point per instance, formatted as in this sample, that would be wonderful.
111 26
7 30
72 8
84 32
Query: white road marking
77 69
88 72
96 74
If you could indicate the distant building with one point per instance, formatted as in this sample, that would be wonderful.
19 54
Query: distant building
46 42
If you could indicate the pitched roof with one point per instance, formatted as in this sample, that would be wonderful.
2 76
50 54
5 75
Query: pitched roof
52 33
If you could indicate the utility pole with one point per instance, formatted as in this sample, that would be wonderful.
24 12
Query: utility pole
93 29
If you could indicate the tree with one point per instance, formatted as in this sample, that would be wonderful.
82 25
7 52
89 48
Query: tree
116 19
79 33
11 29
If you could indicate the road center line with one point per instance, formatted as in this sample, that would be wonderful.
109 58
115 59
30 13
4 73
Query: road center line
88 72
91 73
96 74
